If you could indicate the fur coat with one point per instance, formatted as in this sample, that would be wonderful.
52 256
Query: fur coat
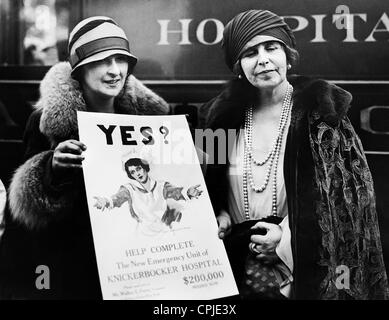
330 194
60 99
48 222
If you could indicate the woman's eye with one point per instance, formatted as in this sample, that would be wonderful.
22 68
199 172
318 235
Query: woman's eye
121 59
272 46
104 62
249 53
98 63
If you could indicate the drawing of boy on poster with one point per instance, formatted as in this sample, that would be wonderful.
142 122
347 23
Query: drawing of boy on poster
147 198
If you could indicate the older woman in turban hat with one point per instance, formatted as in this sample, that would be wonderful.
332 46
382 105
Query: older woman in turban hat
295 202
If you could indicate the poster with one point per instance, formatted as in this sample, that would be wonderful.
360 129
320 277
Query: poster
154 229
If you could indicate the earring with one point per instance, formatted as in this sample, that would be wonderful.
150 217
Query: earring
289 66
239 76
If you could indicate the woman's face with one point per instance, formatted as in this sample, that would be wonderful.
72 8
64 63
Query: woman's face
264 62
138 173
106 78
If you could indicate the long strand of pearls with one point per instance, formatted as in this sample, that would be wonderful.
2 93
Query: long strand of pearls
271 158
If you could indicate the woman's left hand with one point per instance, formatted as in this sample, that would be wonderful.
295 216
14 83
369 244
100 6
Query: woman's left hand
194 192
266 244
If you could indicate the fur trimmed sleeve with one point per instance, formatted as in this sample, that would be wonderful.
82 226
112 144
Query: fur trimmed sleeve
32 202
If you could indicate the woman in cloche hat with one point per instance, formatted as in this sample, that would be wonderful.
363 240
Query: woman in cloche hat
48 222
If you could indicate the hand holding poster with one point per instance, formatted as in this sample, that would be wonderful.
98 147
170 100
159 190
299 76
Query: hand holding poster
154 229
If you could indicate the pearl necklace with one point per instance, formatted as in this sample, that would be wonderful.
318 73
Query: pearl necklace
272 157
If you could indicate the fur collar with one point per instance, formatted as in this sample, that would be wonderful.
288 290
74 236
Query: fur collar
227 109
61 97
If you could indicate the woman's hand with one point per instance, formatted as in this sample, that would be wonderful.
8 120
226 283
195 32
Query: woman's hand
224 222
101 203
68 155
266 244
194 192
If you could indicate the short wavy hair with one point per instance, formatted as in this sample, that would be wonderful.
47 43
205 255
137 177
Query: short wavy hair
134 162
292 55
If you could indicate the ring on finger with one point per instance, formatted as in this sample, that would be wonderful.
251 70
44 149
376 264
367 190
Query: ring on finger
253 248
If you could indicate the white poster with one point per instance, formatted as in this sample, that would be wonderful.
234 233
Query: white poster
154 229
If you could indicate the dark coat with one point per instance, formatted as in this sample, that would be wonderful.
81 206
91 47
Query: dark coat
49 222
331 200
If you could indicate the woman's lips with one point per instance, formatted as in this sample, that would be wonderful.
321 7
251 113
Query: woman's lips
266 71
112 82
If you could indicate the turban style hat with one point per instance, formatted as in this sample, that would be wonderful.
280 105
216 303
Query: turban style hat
246 25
